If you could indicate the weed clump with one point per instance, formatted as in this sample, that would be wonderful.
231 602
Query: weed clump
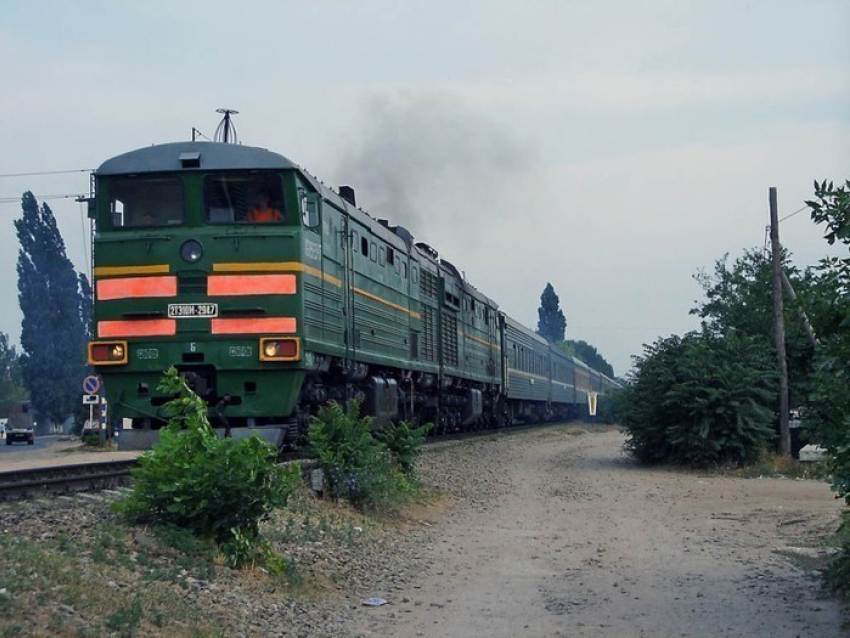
219 489
370 471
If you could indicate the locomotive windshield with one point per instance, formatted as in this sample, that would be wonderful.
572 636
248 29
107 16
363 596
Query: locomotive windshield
136 202
250 198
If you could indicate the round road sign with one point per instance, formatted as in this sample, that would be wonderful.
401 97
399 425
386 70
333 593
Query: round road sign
91 384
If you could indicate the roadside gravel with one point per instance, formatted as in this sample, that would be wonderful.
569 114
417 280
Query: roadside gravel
536 533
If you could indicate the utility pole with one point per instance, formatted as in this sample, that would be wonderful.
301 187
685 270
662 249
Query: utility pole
801 313
779 323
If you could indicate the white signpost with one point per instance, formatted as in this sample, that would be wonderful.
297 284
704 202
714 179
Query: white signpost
91 398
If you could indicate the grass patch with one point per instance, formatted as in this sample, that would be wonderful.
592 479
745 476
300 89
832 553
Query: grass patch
772 465
87 586
127 580
568 429
810 559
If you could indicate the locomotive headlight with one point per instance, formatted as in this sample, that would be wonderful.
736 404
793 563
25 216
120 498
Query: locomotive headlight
107 353
191 251
280 349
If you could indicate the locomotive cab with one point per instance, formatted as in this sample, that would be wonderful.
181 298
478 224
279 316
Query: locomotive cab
199 263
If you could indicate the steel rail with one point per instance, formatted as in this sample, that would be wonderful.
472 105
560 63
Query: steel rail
29 482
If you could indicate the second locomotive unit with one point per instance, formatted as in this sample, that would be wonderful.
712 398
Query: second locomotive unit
273 294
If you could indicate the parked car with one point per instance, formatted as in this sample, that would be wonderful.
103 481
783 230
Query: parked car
21 432
20 425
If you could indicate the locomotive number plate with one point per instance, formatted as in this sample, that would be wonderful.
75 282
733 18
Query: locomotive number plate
192 310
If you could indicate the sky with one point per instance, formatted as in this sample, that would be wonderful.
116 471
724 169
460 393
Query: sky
612 148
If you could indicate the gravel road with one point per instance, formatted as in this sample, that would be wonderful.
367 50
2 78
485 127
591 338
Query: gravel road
559 535
543 533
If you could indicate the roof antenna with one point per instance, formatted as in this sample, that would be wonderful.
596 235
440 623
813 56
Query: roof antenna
226 131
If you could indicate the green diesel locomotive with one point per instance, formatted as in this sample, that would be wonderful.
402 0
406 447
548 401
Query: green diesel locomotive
273 294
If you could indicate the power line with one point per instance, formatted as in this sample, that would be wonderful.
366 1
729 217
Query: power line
41 198
799 210
76 170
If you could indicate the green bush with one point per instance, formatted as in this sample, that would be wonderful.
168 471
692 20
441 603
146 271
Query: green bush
404 440
700 400
358 468
220 489
827 420
93 440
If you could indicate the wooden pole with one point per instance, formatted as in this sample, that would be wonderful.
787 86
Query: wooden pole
804 318
779 324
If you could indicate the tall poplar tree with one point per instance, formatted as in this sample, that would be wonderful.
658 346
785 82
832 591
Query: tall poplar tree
11 385
55 301
552 325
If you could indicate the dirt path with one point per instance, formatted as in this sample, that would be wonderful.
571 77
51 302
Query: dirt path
582 542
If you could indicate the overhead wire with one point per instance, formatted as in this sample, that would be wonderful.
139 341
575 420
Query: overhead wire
767 228
799 210
17 200
75 170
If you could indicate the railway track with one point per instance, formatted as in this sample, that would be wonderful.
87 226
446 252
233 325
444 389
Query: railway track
32 482
53 480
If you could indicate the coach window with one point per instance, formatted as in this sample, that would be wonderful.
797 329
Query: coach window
138 202
382 256
390 256
355 240
373 251
404 269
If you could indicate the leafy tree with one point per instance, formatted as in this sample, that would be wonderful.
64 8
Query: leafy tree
829 409
552 324
54 300
590 355
739 299
11 382
828 417
700 400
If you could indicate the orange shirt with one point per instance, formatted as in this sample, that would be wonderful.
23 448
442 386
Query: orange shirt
264 214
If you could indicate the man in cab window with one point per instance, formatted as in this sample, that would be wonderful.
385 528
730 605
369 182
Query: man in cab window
263 212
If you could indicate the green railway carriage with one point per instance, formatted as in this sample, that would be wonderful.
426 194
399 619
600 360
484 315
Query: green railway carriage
272 294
